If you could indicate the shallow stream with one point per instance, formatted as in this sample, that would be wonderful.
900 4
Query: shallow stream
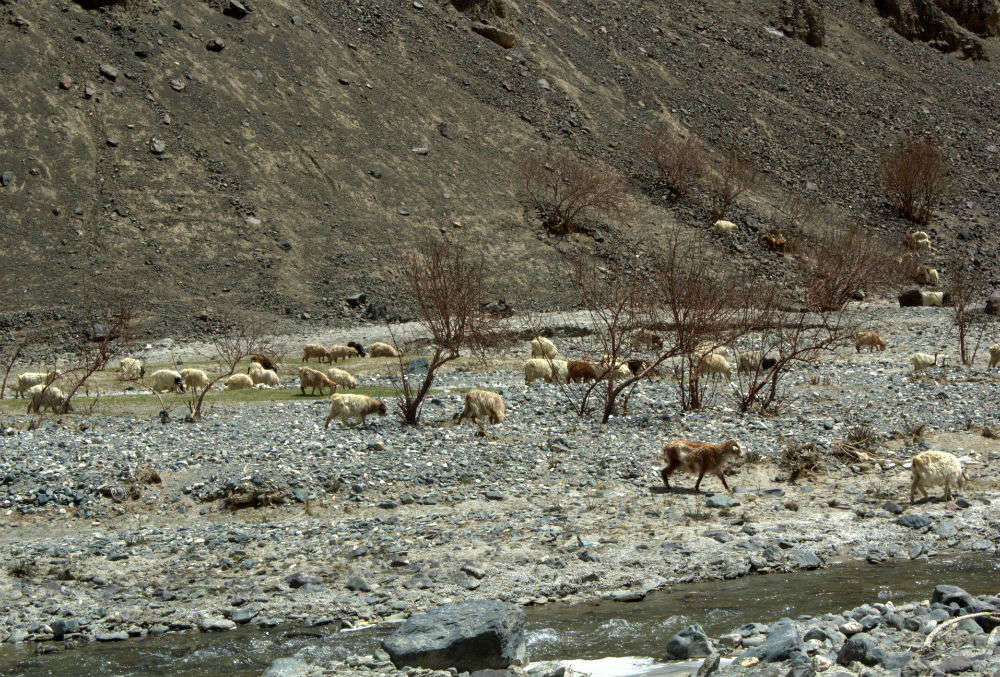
602 630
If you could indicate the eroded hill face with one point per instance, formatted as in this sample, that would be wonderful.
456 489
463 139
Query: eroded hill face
282 160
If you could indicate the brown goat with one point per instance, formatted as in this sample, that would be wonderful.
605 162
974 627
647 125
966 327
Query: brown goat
264 361
581 370
311 378
699 457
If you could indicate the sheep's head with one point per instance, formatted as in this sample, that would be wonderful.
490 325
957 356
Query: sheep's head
733 448
381 408
179 383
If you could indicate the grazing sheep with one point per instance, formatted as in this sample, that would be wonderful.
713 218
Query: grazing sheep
542 347
714 365
749 361
722 227
921 361
167 380
699 457
776 243
621 370
710 348
637 366
560 371
379 349
929 276
337 353
264 377
580 371
644 338
131 369
311 378
264 361
932 298
358 347
934 468
481 405
342 378
194 378
995 355
535 369
30 379
42 395
868 339
348 406
314 350
238 382
919 240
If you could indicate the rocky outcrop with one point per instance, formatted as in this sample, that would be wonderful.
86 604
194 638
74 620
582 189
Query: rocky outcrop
803 19
947 25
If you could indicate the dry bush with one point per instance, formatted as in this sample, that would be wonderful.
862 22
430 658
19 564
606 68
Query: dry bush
915 175
10 354
21 567
681 164
566 190
966 282
733 177
863 436
800 460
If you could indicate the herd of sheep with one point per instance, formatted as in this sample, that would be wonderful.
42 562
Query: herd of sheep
929 469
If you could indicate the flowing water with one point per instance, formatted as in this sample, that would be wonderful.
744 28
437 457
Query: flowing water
596 634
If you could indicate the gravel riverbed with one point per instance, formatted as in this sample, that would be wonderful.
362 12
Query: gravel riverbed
378 522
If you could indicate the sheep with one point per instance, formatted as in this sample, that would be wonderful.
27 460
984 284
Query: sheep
560 371
42 395
637 366
644 338
342 378
483 405
868 339
29 379
929 276
264 377
722 227
238 382
358 347
749 361
580 370
131 369
337 353
704 349
348 406
264 361
934 468
776 243
921 361
621 370
535 369
167 380
699 457
542 347
194 378
379 349
995 355
919 240
311 350
932 298
311 378
714 365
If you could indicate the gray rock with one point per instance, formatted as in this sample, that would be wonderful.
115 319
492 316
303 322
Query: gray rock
157 146
119 636
805 559
6 178
214 624
473 635
299 578
721 501
709 666
215 45
912 521
357 583
863 649
783 641
109 71
691 642
288 667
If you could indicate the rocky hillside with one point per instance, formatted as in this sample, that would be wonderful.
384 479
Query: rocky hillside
281 154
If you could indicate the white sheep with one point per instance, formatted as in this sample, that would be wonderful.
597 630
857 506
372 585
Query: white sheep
342 378
348 406
919 240
41 396
714 365
542 347
131 369
194 378
264 377
167 380
932 298
238 382
537 368
934 468
708 348
995 355
929 276
560 371
483 405
621 369
921 361
29 379
722 227
379 349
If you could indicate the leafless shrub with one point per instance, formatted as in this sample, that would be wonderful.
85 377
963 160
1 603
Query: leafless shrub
565 190
802 460
965 283
680 163
447 285
863 436
21 567
148 475
915 173
733 177
240 337
10 354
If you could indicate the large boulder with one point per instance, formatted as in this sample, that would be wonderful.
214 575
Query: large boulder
783 643
691 642
468 636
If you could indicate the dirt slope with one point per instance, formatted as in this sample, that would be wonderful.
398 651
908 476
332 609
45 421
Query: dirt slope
280 173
